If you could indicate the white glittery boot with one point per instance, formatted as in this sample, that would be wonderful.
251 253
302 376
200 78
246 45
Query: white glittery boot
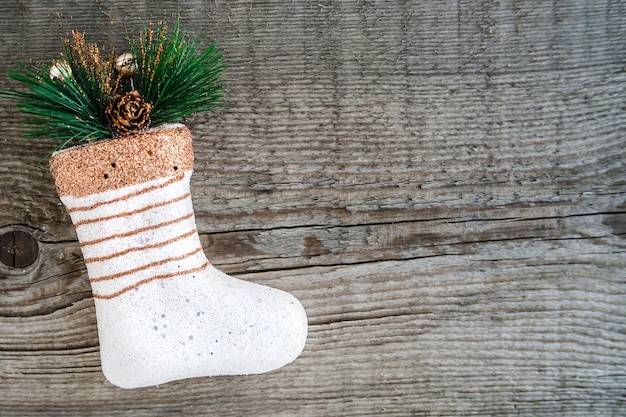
164 312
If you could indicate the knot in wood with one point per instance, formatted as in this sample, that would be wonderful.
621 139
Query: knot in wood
18 249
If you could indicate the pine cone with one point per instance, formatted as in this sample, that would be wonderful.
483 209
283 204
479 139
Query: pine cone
128 114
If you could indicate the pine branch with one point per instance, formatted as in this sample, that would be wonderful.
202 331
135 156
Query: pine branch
54 109
86 96
173 77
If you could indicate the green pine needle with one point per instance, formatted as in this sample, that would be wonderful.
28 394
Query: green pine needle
55 110
173 76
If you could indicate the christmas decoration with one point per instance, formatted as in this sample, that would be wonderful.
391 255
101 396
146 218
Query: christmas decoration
128 113
164 312
85 95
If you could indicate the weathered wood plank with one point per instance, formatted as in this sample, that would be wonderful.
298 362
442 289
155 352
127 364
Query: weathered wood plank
442 184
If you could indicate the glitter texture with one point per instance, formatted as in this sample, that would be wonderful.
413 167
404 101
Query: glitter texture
115 163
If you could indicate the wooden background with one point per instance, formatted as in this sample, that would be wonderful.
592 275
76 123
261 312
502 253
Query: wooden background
442 184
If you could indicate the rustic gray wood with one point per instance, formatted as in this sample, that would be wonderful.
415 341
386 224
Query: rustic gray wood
442 184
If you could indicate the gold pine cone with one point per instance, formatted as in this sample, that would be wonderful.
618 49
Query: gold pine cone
128 114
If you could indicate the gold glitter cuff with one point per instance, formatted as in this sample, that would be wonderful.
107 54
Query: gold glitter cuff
115 163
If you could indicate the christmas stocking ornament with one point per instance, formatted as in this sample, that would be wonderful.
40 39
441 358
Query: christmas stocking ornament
164 312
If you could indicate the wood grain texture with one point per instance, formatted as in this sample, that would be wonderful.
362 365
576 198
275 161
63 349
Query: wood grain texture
442 184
